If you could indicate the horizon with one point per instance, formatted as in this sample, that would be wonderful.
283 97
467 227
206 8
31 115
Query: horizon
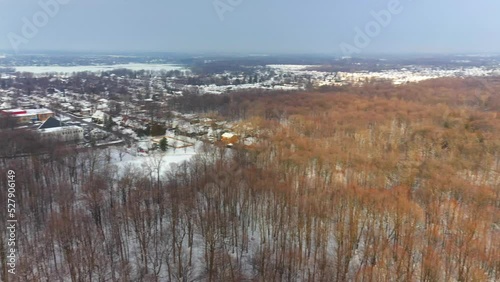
132 53
251 27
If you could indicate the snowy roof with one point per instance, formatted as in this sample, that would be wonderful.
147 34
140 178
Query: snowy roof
228 135
13 110
25 115
51 123
99 115
39 111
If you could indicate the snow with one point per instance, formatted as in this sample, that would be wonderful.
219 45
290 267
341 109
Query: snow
228 135
292 67
6 76
249 141
175 141
62 129
131 158
98 68
99 115
5 105
64 118
214 89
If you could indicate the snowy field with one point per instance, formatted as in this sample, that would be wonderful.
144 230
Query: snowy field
123 158
99 68
292 67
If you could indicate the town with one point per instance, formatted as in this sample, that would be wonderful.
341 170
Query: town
136 103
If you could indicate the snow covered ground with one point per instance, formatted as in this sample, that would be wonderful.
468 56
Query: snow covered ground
401 76
98 68
123 158
397 76
214 89
292 67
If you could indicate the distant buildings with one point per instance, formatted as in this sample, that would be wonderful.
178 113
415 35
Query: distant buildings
28 115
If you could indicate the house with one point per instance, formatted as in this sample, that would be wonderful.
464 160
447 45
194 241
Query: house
85 111
25 104
51 123
55 129
28 115
98 134
99 117
42 114
5 105
67 106
229 138
102 105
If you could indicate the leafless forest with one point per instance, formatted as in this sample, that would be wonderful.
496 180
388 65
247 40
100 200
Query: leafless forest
372 183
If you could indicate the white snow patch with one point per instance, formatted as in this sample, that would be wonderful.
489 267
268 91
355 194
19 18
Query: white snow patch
98 68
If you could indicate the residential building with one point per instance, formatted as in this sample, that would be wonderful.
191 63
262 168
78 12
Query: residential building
56 129
28 115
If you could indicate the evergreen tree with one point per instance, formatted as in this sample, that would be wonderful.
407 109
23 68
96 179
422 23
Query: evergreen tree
163 144
108 122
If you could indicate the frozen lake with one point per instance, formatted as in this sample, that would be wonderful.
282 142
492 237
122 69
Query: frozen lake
98 68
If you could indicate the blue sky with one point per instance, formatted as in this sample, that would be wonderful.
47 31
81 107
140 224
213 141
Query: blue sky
252 26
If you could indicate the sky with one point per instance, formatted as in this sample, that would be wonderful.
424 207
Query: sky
251 26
